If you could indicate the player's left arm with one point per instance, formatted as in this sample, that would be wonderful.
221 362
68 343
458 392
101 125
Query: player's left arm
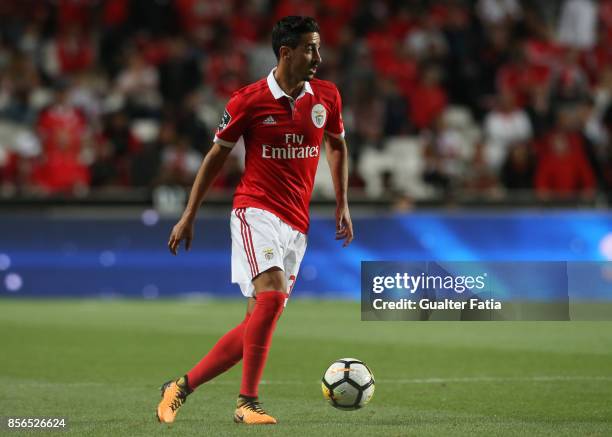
337 158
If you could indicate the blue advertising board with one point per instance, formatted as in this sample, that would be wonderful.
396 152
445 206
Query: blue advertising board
77 257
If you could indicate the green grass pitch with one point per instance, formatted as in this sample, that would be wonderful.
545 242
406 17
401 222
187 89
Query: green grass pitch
100 363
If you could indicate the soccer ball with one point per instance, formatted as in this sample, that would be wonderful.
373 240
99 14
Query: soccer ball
348 384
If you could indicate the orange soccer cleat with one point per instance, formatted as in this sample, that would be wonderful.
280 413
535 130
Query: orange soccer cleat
249 411
174 394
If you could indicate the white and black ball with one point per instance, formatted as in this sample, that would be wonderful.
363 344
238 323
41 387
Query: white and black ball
348 384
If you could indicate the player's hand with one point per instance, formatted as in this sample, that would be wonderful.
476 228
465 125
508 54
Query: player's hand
344 225
183 230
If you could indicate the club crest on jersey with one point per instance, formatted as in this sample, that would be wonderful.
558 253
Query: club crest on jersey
318 114
268 254
225 120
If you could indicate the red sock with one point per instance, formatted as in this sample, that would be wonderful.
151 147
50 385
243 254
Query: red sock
224 354
257 338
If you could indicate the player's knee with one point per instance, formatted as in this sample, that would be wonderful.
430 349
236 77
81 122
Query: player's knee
272 279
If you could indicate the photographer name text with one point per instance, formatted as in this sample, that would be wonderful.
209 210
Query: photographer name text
428 304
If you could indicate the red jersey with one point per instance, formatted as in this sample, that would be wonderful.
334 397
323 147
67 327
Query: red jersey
282 139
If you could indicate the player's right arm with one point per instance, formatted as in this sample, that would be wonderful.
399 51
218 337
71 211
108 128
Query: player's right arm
211 165
232 126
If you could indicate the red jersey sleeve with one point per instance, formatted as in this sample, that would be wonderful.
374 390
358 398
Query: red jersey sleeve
233 122
335 125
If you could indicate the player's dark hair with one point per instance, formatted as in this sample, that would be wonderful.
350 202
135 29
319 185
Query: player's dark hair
288 30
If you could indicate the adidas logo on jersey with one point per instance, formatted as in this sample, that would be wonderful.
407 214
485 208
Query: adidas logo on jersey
269 120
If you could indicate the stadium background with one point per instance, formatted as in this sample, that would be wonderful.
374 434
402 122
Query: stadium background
478 130
447 105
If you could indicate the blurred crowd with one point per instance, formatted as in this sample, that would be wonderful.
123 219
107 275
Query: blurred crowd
440 96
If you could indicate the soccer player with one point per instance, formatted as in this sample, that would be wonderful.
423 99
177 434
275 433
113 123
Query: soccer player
284 120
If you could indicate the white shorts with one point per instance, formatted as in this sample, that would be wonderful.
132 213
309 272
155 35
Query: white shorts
260 241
